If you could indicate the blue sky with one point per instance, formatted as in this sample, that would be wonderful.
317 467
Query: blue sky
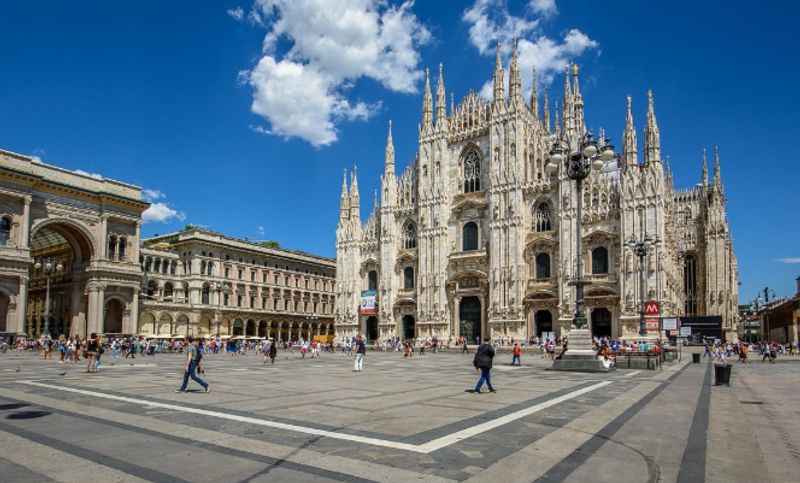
242 116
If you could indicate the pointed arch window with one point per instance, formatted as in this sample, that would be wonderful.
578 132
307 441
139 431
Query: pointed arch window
472 172
409 236
541 218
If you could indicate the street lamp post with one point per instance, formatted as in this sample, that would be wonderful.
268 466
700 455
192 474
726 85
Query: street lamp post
49 267
578 161
640 249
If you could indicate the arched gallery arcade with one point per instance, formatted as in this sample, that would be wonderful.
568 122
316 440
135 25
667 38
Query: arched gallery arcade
68 250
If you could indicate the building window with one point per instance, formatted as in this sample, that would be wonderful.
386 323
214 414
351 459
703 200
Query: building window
206 297
472 172
241 274
253 276
252 302
600 260
5 230
470 236
238 300
112 247
227 272
372 280
210 268
168 291
203 267
408 278
409 236
542 266
227 300
541 218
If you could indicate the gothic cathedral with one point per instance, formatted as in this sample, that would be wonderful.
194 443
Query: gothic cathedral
476 238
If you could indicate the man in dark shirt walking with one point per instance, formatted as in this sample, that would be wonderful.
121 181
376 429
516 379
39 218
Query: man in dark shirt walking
483 363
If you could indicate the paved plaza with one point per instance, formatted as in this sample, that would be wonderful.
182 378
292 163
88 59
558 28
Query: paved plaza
399 420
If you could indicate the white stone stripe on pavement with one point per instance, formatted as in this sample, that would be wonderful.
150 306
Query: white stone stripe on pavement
631 374
424 448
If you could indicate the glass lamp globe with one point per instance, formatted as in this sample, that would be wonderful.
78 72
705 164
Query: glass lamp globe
556 157
551 167
589 150
598 164
608 152
37 265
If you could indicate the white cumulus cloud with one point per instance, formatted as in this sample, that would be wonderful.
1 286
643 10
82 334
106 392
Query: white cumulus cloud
303 93
544 7
491 25
236 13
159 211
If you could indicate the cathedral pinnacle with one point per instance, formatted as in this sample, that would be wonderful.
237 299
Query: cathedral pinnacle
566 108
427 103
355 203
546 112
577 102
514 78
344 202
705 168
717 174
499 93
534 95
629 148
441 108
389 157
652 138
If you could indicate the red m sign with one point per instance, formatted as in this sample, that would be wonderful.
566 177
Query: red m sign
651 308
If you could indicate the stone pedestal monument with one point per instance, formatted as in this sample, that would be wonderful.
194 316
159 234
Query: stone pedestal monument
580 357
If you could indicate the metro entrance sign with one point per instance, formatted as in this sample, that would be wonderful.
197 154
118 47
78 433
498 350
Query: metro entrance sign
652 312
651 309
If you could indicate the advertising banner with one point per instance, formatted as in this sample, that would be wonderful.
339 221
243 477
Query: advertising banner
369 305
669 324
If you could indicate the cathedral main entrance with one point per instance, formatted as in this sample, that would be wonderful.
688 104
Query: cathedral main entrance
409 327
469 314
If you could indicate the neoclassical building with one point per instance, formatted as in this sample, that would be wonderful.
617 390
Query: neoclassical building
73 237
199 282
476 238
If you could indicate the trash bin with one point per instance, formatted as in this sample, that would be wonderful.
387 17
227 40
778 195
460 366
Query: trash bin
696 358
722 374
726 374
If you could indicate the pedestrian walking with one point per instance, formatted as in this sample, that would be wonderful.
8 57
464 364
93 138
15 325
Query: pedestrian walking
91 352
516 352
361 351
273 352
483 364
194 358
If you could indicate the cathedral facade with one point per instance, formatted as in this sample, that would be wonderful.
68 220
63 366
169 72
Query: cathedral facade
477 238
